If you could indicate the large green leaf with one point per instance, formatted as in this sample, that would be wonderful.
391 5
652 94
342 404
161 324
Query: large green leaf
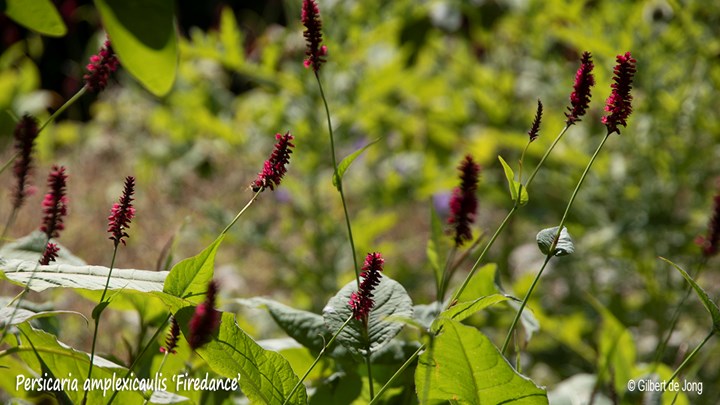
67 363
391 299
84 277
189 278
32 246
143 35
463 310
463 366
264 376
709 304
38 15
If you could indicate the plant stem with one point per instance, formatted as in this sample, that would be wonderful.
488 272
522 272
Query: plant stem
551 253
694 352
397 374
227 228
97 315
371 384
500 228
317 359
339 180
63 107
139 356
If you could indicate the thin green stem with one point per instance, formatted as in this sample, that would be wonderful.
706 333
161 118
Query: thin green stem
254 197
522 305
159 371
339 180
317 360
551 253
397 374
139 356
100 308
500 228
63 107
371 383
690 357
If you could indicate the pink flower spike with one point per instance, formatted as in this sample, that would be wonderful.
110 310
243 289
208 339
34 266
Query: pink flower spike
25 133
361 302
274 168
533 133
709 243
51 253
100 67
580 97
464 203
313 35
122 213
205 320
619 104
55 203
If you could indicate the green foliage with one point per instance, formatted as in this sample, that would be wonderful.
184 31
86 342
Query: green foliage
391 300
347 161
38 15
143 35
546 240
463 365
708 303
514 185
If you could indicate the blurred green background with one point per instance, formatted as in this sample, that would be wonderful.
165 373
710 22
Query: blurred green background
433 80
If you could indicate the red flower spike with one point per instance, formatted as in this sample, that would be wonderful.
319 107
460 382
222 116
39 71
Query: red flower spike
55 203
709 243
25 133
122 213
172 338
619 104
205 320
533 133
313 35
274 168
361 302
580 97
464 203
51 253
100 67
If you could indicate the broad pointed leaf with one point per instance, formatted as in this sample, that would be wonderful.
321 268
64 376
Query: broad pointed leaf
391 299
38 15
347 161
143 35
463 366
189 278
464 310
264 376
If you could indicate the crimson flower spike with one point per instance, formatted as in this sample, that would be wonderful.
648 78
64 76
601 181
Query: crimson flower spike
580 97
25 133
51 253
619 103
172 338
205 320
122 213
55 203
274 168
313 35
361 302
533 133
709 243
464 203
100 67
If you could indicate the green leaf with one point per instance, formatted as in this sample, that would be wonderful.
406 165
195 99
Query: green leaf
99 308
481 284
464 310
513 184
264 376
189 278
463 366
425 314
82 277
38 15
143 36
231 39
707 302
346 162
564 246
391 299
22 315
32 246
71 364
616 349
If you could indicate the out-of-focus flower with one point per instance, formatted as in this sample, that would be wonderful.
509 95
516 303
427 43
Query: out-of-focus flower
464 203
50 254
55 203
205 320
25 133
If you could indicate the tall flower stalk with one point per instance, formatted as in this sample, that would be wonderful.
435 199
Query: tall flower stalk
121 214
619 106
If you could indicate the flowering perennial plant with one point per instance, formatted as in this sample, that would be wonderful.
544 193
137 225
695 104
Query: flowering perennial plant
122 213
464 202
100 68
362 301
274 167
619 104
